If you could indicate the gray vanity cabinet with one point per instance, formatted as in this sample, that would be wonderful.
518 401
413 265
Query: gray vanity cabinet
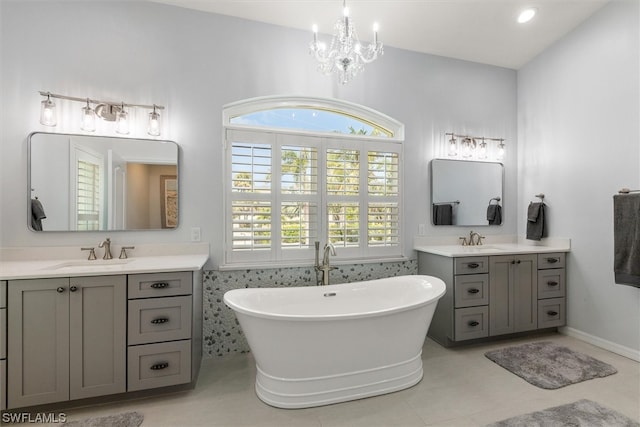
3 344
513 293
67 339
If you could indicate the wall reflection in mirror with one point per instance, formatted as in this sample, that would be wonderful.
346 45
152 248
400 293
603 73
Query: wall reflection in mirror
466 193
93 183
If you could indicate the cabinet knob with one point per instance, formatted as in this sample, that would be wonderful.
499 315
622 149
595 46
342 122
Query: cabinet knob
513 261
159 285
159 366
473 290
473 323
552 283
160 320
73 288
473 265
60 289
552 313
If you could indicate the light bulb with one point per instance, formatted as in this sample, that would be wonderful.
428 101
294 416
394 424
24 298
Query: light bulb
88 122
453 147
500 154
466 148
527 15
48 112
482 150
154 123
122 121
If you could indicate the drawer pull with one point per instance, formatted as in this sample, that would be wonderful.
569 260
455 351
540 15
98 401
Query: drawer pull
160 285
159 366
552 313
473 323
552 283
473 290
553 260
473 265
160 320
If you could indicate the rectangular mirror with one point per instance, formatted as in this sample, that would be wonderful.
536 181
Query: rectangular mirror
90 183
466 192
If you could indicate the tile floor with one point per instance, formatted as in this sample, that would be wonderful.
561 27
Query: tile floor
460 387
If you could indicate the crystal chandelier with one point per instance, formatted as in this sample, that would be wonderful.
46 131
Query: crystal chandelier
346 55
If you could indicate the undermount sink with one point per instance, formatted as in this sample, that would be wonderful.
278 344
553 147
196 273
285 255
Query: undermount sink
104 264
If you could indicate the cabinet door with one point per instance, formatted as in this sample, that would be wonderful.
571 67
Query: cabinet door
501 295
97 336
525 292
38 342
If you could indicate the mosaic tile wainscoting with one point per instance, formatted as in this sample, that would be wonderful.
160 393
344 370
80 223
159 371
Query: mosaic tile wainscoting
222 333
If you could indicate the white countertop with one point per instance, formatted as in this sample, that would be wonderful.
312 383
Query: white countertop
500 245
24 263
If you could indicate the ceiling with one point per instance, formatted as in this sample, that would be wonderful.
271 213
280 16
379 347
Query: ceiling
482 31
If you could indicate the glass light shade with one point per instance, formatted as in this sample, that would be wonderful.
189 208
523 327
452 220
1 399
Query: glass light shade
500 154
48 112
482 150
122 122
453 147
88 122
154 123
466 148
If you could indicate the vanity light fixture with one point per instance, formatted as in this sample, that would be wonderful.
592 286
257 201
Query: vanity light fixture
154 123
105 110
470 147
346 55
122 121
527 15
47 111
88 120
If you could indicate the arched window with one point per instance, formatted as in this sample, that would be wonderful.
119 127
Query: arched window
300 170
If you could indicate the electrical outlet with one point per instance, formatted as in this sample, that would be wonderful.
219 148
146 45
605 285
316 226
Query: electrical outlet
195 234
421 229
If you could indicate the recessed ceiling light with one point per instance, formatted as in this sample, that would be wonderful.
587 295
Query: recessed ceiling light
527 15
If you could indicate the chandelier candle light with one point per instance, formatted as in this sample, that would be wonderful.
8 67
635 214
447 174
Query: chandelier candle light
346 55
108 111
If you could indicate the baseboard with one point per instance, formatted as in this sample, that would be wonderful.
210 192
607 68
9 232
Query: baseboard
602 343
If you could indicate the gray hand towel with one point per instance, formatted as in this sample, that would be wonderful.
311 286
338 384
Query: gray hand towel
626 239
535 221
494 214
443 214
37 214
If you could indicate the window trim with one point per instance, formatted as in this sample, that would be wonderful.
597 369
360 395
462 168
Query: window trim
371 143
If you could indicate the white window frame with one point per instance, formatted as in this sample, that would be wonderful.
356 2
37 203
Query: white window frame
277 137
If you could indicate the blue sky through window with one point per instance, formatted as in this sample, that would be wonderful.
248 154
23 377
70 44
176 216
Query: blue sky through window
309 119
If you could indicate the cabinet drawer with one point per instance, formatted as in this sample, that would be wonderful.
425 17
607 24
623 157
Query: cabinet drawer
471 290
551 260
3 293
551 312
159 365
471 265
551 283
159 319
160 284
3 384
3 333
471 322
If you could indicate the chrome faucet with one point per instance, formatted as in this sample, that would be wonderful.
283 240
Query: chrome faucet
107 248
325 267
478 238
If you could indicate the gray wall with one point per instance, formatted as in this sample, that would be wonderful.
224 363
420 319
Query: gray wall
579 143
194 63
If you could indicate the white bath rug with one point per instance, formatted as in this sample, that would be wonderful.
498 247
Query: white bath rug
583 413
126 419
549 366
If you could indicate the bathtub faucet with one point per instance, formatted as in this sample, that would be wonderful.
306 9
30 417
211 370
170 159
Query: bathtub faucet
325 267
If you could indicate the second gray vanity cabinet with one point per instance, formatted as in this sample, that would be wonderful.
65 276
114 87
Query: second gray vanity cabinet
67 339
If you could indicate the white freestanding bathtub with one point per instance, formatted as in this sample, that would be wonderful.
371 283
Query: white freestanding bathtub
318 345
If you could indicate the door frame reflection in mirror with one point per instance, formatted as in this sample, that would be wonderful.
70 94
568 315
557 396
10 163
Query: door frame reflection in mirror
468 187
52 182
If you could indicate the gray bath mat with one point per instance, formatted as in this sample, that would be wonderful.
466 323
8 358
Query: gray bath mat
583 413
126 419
548 365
